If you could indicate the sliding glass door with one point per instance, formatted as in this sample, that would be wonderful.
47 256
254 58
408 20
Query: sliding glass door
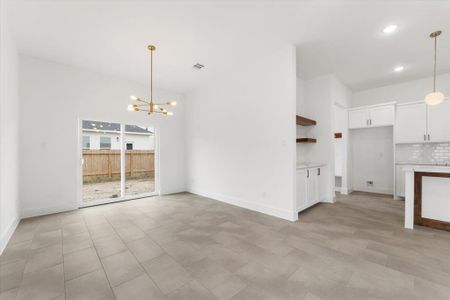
118 162
139 160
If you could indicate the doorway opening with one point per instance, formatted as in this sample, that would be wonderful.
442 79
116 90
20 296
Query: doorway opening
118 162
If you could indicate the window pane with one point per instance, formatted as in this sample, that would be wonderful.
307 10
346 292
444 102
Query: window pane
86 142
139 160
105 142
101 161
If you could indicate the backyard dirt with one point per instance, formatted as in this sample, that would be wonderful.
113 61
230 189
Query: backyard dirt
111 189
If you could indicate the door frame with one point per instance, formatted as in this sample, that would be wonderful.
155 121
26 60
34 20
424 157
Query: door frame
123 197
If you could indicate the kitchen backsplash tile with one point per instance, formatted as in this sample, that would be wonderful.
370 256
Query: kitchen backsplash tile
430 153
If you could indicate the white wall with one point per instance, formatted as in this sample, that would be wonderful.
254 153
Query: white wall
9 141
372 153
403 92
342 97
319 107
241 136
53 97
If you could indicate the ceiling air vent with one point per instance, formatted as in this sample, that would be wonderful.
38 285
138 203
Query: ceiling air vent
198 66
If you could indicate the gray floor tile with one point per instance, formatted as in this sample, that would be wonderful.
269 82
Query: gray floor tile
43 284
139 288
144 249
80 262
90 286
167 273
121 267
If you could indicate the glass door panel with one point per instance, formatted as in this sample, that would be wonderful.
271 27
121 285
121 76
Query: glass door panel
101 142
139 144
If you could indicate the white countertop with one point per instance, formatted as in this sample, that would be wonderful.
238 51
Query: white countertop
421 164
308 165
428 168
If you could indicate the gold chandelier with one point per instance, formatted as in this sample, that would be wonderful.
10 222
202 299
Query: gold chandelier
149 106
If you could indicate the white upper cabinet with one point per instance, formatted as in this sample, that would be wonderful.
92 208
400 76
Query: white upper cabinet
382 116
439 122
419 123
411 123
358 118
372 116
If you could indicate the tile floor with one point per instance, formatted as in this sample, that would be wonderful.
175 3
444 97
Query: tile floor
188 247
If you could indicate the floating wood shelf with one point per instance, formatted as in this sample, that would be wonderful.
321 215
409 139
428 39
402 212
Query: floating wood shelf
305 121
306 140
338 135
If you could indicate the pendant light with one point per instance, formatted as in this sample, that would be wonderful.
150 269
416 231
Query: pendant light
149 106
434 98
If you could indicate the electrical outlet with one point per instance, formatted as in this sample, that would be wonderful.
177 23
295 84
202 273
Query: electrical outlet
369 183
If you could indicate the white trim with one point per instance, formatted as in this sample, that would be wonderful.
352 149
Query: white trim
34 212
119 199
6 236
372 106
373 190
265 209
122 160
174 191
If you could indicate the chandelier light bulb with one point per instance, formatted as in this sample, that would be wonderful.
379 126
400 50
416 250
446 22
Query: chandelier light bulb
130 107
173 103
434 98
133 97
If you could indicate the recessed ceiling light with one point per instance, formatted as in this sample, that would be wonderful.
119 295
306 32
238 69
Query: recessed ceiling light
399 68
390 29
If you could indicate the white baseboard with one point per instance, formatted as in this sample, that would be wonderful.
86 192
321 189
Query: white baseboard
174 191
7 235
35 212
373 190
265 209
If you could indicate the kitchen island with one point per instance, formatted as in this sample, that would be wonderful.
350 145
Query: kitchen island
427 196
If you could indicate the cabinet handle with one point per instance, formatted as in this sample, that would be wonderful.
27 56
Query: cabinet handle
424 137
429 137
370 122
307 173
318 171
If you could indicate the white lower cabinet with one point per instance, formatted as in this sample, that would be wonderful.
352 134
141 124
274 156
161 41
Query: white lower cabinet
308 186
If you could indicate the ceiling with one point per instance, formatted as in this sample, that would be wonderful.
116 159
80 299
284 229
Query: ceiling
340 37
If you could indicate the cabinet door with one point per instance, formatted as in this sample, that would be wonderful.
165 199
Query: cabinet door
312 187
410 125
358 118
302 194
382 116
439 122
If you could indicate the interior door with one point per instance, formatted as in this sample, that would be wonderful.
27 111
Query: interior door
439 122
411 123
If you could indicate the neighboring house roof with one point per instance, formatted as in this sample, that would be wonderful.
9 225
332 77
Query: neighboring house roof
105 126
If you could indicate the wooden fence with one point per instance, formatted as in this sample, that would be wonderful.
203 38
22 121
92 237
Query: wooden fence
104 165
